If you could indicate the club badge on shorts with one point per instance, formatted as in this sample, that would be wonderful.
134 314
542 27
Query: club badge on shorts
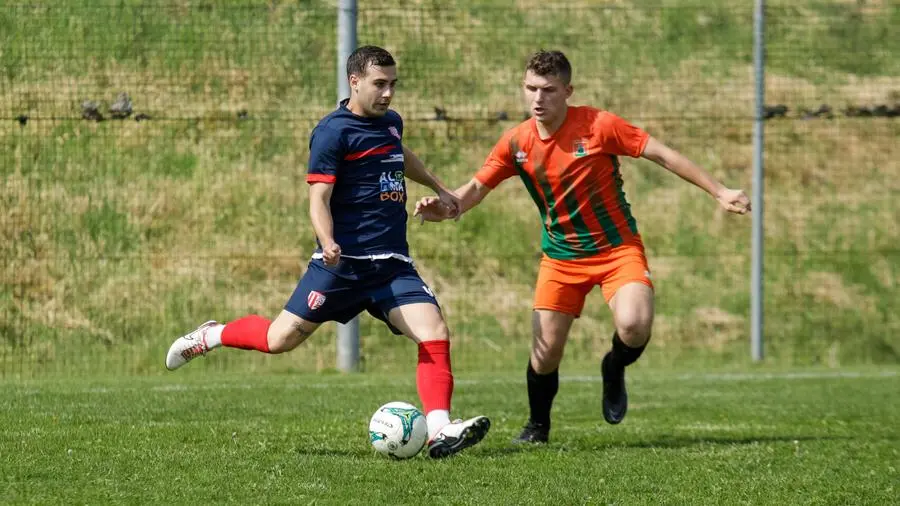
315 300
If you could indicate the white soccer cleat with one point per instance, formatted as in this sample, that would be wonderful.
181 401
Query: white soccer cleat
188 347
457 436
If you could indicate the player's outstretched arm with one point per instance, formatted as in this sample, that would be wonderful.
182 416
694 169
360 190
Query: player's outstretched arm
417 171
323 223
433 209
735 201
470 195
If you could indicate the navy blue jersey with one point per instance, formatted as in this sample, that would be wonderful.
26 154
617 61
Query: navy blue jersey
363 157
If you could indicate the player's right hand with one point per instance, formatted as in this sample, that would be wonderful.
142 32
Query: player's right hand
432 209
734 201
331 254
451 201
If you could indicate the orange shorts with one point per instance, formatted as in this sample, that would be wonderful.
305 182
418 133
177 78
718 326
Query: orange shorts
562 285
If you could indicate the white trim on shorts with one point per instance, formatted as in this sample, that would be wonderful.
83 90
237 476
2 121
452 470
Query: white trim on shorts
378 256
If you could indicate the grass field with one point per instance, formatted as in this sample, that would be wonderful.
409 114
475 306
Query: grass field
808 436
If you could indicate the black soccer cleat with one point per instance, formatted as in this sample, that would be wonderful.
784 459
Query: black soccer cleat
615 398
534 433
457 436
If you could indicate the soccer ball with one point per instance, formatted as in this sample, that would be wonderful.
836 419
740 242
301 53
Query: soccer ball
398 429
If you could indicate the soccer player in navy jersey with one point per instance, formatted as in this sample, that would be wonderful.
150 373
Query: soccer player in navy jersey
356 174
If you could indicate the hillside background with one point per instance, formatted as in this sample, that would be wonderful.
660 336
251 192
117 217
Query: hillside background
117 236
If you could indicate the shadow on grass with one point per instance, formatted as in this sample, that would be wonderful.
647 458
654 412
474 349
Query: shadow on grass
324 451
674 442
581 444
663 442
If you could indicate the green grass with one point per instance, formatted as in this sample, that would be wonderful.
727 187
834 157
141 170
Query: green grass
822 45
754 437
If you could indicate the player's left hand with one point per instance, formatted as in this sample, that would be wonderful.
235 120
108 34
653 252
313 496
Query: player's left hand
431 209
734 201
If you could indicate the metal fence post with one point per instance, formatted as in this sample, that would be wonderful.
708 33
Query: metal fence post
756 282
347 335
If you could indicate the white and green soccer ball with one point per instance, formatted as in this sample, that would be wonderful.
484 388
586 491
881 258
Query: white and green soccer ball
398 429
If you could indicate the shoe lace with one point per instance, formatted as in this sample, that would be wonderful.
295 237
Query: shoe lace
199 348
193 351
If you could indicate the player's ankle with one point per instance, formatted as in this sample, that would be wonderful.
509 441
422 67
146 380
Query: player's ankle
213 337
436 419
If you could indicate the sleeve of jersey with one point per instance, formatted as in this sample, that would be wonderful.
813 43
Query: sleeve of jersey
498 166
324 156
620 137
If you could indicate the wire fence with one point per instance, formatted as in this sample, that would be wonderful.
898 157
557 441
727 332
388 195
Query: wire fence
153 160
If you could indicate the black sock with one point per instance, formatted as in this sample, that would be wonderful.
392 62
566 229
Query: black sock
623 355
542 389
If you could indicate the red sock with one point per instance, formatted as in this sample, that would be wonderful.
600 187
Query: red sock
434 378
248 333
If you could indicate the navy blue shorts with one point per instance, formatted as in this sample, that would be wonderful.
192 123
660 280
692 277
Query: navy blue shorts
339 293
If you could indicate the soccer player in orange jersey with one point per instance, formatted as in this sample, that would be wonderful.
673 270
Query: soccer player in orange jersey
568 159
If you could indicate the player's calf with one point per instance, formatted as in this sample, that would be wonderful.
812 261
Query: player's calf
615 396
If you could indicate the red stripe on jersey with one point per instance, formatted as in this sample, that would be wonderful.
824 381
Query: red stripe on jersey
321 178
383 150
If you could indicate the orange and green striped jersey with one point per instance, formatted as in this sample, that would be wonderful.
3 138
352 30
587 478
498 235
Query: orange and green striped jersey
573 177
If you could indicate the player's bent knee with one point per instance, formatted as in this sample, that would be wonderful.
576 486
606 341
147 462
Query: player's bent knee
546 359
545 363
437 332
634 331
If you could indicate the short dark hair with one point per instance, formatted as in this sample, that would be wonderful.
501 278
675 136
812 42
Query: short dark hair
547 63
359 61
